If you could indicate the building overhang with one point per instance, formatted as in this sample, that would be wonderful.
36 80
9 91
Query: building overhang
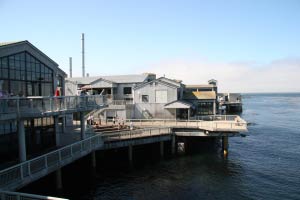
178 104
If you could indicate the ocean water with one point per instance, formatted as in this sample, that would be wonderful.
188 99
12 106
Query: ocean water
263 165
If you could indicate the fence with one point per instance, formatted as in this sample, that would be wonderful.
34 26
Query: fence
28 171
27 106
122 135
4 195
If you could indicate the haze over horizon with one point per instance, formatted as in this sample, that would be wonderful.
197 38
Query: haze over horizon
248 46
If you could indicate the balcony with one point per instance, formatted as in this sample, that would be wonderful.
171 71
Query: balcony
28 107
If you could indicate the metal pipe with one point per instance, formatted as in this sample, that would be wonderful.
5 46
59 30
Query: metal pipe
83 64
70 61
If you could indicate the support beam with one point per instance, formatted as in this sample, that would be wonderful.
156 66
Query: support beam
63 124
22 141
161 148
173 144
189 113
82 126
59 185
214 108
56 130
225 145
130 148
93 155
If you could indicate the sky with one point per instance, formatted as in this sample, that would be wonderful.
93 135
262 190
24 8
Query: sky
247 45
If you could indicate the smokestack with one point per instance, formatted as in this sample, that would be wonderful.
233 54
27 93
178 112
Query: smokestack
70 61
82 45
87 75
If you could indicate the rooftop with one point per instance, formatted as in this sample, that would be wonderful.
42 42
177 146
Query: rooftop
200 95
133 78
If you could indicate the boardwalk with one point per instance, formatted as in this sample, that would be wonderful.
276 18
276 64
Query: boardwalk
217 123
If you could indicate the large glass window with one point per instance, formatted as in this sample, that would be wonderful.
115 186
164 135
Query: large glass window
127 90
26 76
205 108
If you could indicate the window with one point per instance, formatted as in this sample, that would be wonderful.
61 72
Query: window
145 98
127 90
161 96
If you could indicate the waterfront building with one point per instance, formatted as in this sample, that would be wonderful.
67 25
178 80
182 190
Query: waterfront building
31 117
145 96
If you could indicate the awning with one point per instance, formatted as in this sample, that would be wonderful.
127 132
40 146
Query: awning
200 95
178 104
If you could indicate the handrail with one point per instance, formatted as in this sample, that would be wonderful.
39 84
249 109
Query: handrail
227 124
27 106
18 174
18 195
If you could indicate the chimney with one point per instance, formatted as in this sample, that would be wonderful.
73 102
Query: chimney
82 46
70 61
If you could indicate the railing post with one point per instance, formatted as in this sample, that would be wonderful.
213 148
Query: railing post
18 107
21 172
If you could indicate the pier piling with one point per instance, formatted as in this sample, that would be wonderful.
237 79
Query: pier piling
59 185
22 141
225 145
161 149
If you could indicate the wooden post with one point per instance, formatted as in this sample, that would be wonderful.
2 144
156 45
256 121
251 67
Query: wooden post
161 149
93 155
21 141
130 148
82 126
173 144
225 145
59 185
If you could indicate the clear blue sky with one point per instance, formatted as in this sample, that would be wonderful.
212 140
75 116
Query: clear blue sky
125 36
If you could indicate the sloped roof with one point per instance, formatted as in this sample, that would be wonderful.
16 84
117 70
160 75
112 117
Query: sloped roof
200 95
134 78
13 42
178 104
161 80
25 45
200 86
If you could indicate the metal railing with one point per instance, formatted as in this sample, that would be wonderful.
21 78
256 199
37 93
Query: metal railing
228 123
25 172
138 133
120 102
28 106
4 195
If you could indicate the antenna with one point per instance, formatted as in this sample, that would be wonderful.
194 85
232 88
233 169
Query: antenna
70 61
82 46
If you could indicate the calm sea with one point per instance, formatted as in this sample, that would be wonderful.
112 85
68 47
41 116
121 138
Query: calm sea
263 165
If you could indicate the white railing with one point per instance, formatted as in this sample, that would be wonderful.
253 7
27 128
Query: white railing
120 102
138 133
235 124
4 195
25 106
30 170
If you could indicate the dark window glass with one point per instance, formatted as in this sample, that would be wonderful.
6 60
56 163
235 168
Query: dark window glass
5 73
145 98
127 90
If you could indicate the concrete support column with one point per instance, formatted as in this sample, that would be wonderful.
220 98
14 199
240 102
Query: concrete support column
93 155
63 124
173 144
225 145
161 149
82 125
56 129
59 185
189 113
22 141
130 148
214 108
